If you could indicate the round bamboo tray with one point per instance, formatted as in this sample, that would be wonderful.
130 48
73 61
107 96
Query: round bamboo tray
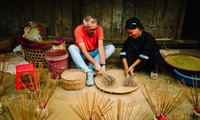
73 79
117 87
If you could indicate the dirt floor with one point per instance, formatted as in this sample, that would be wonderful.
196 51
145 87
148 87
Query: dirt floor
62 99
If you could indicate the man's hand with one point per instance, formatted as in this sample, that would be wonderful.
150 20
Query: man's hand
103 69
97 67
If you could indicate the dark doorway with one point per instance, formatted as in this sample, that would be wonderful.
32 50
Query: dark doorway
191 25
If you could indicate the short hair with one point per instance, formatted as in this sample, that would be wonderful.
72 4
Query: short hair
87 19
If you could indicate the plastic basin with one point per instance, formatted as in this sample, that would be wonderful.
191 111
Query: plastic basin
189 80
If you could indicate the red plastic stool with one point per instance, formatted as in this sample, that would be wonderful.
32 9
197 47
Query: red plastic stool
23 69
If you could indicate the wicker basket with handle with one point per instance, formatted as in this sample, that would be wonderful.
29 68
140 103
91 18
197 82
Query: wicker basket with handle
34 52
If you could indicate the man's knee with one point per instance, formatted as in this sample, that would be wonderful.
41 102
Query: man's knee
111 48
71 48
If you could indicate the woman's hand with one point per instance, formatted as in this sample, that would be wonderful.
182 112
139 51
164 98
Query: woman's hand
131 71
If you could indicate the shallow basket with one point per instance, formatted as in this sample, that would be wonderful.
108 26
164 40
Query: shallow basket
35 56
73 79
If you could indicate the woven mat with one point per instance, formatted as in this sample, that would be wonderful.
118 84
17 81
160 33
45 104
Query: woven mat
116 88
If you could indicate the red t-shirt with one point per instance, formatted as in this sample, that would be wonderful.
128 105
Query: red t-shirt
91 43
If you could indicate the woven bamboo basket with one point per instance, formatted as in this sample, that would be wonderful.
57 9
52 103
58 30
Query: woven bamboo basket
35 56
73 79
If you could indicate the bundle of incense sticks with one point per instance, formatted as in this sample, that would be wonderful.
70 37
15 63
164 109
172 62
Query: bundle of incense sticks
109 80
192 94
42 94
99 109
129 82
165 100
180 116
124 111
24 108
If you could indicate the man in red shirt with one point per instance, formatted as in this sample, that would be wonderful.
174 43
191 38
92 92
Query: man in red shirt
90 48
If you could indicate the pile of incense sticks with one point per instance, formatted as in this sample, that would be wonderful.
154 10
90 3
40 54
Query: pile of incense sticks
165 100
43 94
109 80
178 115
101 108
192 94
124 111
129 82
97 108
26 107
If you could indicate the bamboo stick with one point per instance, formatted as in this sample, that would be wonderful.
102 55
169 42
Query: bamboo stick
119 105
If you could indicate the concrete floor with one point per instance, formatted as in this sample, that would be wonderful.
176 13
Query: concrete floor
62 99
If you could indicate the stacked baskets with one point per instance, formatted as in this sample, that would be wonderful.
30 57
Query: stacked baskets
35 56
34 52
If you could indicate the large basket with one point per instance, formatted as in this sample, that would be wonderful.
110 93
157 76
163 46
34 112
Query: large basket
73 79
35 56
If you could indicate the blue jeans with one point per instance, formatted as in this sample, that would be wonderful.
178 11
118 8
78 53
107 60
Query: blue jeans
80 60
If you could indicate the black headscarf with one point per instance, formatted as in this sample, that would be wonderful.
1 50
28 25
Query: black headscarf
133 22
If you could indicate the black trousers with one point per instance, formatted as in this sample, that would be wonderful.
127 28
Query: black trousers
154 63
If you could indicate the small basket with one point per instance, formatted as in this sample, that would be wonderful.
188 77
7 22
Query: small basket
35 56
73 79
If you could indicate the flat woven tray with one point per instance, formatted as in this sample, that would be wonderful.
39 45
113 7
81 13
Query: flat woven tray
183 62
116 88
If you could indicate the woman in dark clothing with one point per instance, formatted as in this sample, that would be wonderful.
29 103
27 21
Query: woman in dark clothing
140 47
